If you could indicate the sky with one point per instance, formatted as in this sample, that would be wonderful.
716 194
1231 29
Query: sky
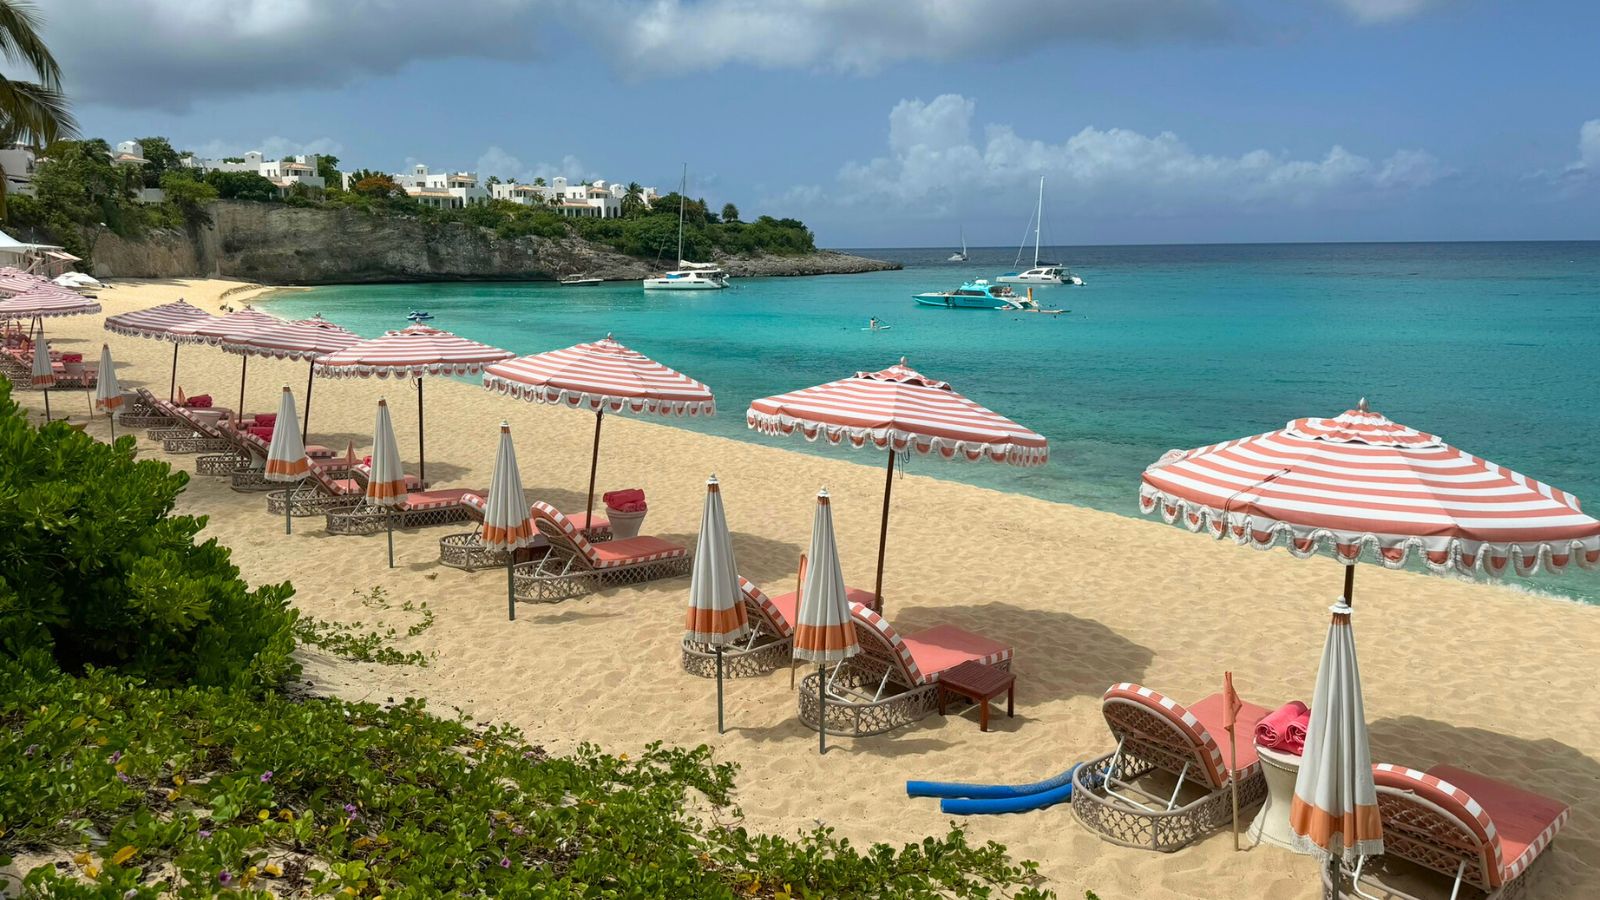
907 123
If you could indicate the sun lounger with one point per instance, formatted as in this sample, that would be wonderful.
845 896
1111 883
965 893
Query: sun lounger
1471 828
894 680
1155 735
147 411
421 509
196 432
245 459
466 550
327 488
771 634
575 566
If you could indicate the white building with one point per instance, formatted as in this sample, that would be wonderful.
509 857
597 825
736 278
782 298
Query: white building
128 153
283 173
19 164
442 190
595 199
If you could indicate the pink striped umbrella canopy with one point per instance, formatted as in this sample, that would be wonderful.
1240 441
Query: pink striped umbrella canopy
603 376
236 325
15 281
158 322
899 410
46 301
307 339
1359 480
411 353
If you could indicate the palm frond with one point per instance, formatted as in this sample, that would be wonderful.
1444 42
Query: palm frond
34 114
20 42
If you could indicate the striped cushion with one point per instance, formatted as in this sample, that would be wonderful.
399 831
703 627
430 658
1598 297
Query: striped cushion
943 647
634 551
759 604
870 621
1454 800
425 500
1199 741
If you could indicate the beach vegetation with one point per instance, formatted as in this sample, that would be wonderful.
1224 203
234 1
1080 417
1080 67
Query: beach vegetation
188 197
161 159
33 110
77 192
241 185
730 213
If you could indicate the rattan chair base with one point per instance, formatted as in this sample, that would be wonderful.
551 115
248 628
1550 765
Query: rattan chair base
196 443
865 718
701 660
168 432
132 420
312 501
372 519
558 576
466 551
1122 823
220 465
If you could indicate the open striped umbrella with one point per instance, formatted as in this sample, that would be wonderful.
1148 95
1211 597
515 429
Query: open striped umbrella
1346 484
107 392
158 322
716 602
901 411
286 455
603 376
823 631
43 372
234 325
414 352
15 281
307 339
386 483
507 521
47 301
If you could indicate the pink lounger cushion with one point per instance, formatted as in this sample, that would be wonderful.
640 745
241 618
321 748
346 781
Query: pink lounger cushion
788 605
421 500
943 647
635 549
1213 716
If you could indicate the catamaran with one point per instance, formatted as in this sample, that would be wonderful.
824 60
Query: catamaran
962 256
1042 272
688 276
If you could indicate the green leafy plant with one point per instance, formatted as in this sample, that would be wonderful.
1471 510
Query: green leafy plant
348 640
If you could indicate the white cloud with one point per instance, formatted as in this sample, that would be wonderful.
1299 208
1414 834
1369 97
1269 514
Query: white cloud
1378 11
934 165
497 161
1587 166
274 147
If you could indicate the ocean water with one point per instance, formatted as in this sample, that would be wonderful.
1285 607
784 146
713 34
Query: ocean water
1495 347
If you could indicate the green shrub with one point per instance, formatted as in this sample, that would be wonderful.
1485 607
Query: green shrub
97 571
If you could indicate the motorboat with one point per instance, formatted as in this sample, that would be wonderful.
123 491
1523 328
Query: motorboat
1042 272
687 276
581 281
979 294
418 315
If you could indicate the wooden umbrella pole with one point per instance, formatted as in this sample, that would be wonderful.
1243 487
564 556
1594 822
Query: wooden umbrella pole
1349 584
883 531
288 504
594 467
244 364
422 453
1233 766
511 586
719 689
305 424
172 387
822 708
388 521
47 404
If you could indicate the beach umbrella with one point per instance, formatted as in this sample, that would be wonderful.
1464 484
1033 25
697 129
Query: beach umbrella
47 301
235 325
823 631
158 322
716 602
286 455
15 281
413 352
43 372
602 376
1349 483
306 340
900 411
107 392
386 483
507 522
1334 813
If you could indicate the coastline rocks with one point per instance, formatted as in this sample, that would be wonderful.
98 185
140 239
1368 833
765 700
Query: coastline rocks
273 243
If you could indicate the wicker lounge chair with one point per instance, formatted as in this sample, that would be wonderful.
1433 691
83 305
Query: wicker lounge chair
466 550
771 633
894 680
1156 734
330 486
574 566
1480 832
244 462
194 433
147 411
421 509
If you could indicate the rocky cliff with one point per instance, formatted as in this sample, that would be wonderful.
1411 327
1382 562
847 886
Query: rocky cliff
275 244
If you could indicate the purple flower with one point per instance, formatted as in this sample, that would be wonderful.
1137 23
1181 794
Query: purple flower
518 830
224 877
123 777
505 863
116 757
205 835
266 776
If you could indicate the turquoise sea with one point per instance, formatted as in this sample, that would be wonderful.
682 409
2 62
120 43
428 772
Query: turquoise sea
1495 347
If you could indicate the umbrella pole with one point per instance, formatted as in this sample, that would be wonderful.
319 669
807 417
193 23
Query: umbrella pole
388 521
1233 766
511 586
719 689
422 453
305 424
1349 583
288 504
594 466
883 532
47 404
822 709
244 365
172 386
111 416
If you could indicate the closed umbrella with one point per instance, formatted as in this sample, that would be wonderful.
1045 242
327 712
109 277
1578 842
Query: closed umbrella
716 602
413 352
602 376
386 483
107 392
507 522
901 411
286 455
823 631
307 339
233 326
158 323
43 373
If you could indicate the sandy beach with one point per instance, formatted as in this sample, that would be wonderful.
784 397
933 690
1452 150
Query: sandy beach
1484 677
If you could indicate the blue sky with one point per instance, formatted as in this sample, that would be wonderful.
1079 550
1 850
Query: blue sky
1154 121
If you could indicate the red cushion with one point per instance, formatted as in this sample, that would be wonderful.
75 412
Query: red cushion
1212 715
265 433
943 647
635 548
789 604
266 418
1520 817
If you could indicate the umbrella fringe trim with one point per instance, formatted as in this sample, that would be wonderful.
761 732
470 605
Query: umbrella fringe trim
857 438
597 402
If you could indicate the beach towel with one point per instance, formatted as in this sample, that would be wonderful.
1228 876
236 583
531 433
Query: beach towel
631 500
1273 730
1297 733
198 401
261 431
266 420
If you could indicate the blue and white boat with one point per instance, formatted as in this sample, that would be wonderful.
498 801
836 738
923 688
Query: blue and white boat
979 294
419 316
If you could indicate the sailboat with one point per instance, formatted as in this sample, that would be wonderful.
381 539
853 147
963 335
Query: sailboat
1042 272
962 256
688 276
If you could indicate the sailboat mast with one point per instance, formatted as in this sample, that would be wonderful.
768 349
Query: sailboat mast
683 185
1038 224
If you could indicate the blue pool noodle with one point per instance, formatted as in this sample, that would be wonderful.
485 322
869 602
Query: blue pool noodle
956 806
989 791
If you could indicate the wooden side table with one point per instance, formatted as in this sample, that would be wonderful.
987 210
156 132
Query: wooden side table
980 684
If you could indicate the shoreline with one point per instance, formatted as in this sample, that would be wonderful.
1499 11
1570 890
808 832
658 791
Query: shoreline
1087 597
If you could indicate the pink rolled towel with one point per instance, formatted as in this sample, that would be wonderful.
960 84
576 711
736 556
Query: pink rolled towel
1273 730
1297 733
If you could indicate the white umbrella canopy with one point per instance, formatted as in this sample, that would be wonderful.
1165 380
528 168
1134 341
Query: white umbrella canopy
386 483
824 632
43 375
507 524
716 613
1335 809
286 454
107 392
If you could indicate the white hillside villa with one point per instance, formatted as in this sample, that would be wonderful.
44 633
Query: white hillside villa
19 164
284 174
442 190
595 199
